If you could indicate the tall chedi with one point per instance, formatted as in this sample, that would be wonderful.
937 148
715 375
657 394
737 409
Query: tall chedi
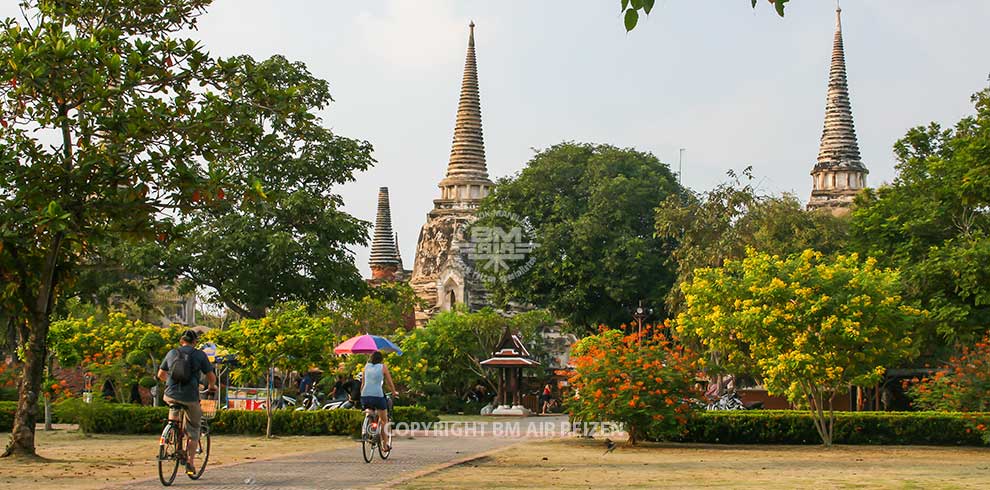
441 273
386 265
839 174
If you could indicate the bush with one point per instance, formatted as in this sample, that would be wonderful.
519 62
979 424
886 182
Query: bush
8 393
117 418
63 412
962 386
289 422
100 417
796 427
413 414
642 381
7 410
450 404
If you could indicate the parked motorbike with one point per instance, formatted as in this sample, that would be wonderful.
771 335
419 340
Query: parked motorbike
731 401
310 400
341 403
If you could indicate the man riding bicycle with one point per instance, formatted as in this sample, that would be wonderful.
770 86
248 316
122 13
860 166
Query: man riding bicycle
182 371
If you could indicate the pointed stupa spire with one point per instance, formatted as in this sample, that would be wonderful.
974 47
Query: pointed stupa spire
839 146
398 253
467 172
839 173
383 251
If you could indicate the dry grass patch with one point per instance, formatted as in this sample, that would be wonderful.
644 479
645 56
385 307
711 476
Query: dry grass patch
71 460
583 464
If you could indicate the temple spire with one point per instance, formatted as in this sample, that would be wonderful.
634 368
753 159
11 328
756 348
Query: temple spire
383 249
839 173
398 253
839 146
467 153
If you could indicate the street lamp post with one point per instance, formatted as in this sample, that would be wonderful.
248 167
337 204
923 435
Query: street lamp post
640 316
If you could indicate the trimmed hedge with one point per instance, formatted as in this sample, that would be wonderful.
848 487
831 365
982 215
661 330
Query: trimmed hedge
413 413
115 418
7 410
289 422
796 427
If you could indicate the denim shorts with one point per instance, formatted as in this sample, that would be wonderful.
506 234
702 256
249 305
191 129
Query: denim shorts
376 402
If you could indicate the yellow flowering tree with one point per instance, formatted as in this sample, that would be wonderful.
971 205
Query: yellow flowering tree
288 339
116 349
808 325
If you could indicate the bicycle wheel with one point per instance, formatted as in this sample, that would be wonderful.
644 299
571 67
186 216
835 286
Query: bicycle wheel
168 455
204 449
381 444
367 441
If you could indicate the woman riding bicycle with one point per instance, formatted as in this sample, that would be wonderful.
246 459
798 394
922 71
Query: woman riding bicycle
372 396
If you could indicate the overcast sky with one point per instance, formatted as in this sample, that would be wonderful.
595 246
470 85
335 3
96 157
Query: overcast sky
733 85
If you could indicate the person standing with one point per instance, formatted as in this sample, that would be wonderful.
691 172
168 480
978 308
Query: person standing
545 399
183 370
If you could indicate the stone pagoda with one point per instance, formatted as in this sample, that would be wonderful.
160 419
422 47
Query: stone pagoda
386 263
839 174
441 273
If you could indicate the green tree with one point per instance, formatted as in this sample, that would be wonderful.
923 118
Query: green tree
98 134
631 10
932 224
591 210
707 229
287 340
447 352
808 326
289 240
385 310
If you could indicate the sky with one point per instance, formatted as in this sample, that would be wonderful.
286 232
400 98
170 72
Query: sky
734 86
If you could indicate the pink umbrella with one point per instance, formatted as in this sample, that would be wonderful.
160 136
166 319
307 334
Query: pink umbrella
366 344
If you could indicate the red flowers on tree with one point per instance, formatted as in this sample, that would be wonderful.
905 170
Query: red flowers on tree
643 382
963 385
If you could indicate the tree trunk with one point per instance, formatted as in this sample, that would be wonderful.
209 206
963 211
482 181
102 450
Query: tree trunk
48 412
268 406
33 339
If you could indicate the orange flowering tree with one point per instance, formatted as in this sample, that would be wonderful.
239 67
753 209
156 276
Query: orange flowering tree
963 385
643 382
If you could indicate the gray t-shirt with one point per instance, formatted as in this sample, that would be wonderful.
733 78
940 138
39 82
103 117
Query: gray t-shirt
200 364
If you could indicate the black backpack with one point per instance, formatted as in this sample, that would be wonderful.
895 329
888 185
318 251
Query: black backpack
181 369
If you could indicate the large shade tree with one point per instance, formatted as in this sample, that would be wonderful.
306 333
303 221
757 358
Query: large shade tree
289 239
99 134
706 229
933 224
591 210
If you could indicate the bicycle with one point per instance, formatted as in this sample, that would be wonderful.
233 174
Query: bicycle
371 433
172 443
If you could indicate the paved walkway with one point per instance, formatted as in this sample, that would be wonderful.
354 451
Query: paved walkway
345 468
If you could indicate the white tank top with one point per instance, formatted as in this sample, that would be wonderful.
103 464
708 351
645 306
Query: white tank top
374 376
